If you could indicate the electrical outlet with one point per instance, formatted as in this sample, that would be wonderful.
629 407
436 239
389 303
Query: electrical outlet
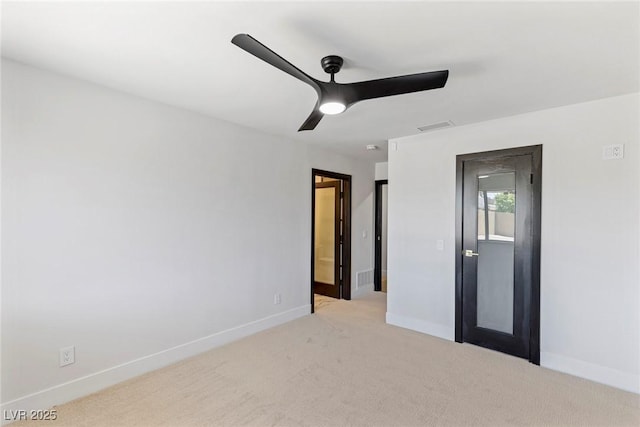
617 151
277 299
67 356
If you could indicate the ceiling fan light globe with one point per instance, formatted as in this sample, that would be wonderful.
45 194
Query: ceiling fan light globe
332 108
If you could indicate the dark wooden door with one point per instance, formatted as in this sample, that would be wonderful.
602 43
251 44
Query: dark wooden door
499 253
328 238
380 231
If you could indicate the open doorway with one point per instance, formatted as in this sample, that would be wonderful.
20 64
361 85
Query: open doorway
380 250
330 236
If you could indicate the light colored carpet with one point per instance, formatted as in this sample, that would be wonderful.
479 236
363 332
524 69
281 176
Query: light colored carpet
344 366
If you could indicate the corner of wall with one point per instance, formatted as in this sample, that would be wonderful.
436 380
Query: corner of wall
382 171
94 382
418 325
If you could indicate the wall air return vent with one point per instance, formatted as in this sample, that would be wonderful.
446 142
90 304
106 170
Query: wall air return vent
364 278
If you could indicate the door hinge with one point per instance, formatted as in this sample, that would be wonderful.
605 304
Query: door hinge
531 179
342 194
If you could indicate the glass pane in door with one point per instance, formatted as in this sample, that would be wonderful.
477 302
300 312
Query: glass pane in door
496 230
325 233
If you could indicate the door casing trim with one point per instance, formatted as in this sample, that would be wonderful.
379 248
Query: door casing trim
536 168
377 269
345 291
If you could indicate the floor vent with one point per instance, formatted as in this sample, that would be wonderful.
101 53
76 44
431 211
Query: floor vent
364 278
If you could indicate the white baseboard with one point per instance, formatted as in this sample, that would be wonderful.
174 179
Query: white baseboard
623 380
423 326
91 383
598 373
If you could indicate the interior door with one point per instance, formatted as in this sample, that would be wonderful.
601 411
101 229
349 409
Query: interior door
499 254
327 240
380 247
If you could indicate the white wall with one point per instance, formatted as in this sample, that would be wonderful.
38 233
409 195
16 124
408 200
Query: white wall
590 275
382 170
142 233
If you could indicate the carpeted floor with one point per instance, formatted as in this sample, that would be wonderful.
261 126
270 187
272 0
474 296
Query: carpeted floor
344 366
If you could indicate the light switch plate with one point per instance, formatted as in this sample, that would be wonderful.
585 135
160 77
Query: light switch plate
613 152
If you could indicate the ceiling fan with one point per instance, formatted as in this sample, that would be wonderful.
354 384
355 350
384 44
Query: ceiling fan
334 98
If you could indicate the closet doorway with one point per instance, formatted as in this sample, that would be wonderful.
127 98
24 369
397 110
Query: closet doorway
380 250
330 235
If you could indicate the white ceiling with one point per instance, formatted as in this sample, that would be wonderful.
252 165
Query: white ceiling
504 58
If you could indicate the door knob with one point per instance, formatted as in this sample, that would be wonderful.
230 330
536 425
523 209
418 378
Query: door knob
469 253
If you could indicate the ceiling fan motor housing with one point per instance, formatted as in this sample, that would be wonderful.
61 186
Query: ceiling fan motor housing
331 64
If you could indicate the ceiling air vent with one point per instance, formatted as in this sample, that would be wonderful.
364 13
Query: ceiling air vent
436 126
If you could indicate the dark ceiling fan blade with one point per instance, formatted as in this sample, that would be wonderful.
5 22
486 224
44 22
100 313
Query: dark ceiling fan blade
313 120
334 98
397 85
257 49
